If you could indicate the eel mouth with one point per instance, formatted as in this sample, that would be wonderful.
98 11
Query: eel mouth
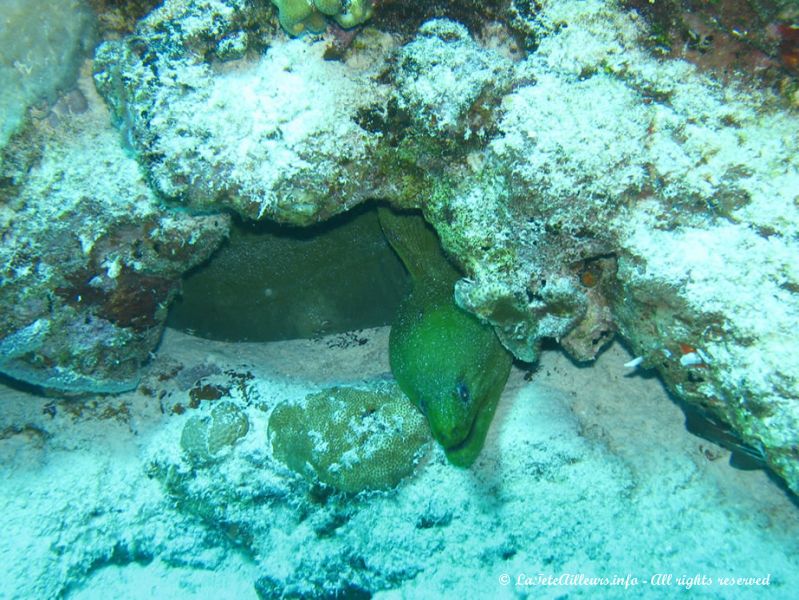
465 440
444 438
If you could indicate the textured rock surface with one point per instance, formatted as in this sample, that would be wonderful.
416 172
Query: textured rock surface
274 137
41 46
442 74
741 36
90 259
706 290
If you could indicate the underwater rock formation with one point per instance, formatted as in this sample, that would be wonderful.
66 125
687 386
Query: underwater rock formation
119 17
741 36
705 289
441 75
90 259
271 138
41 47
605 152
583 189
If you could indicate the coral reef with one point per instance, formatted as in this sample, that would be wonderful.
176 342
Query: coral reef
570 181
204 438
352 439
297 16
90 258
458 75
305 158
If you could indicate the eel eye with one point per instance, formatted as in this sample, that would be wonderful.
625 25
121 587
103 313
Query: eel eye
463 392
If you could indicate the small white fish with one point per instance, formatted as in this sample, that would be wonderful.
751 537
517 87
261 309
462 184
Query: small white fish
691 359
634 363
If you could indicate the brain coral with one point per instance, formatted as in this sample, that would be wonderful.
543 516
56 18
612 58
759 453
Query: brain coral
298 16
203 438
351 439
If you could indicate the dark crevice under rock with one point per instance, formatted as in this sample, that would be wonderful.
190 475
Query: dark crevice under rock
271 282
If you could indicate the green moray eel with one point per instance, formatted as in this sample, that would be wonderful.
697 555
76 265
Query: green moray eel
451 366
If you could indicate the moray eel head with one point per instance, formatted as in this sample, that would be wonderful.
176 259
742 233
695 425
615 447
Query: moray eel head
452 367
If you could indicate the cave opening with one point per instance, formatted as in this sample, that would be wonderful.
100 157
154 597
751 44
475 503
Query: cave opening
271 282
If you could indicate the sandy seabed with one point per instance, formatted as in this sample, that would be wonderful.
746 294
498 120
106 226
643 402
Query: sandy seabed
588 472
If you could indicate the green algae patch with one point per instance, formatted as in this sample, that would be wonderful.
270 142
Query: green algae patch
351 439
204 438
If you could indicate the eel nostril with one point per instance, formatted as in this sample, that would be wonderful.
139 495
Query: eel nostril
463 392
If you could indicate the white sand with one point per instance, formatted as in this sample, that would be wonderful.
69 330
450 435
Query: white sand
587 470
